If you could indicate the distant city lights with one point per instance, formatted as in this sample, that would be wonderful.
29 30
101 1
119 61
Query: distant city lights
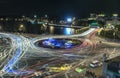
35 16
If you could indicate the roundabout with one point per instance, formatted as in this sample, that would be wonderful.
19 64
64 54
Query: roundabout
58 43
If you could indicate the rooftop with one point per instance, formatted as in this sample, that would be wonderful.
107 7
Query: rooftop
116 59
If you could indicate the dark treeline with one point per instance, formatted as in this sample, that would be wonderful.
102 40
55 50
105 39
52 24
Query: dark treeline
21 27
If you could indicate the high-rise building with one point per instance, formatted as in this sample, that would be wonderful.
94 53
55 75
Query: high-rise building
111 68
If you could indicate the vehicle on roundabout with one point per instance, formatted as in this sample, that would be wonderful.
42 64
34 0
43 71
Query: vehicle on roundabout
95 64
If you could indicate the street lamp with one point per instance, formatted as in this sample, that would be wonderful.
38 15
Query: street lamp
21 27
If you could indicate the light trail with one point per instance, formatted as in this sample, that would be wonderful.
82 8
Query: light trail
19 44
8 67
68 36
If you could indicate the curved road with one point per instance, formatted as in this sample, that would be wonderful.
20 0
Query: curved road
19 47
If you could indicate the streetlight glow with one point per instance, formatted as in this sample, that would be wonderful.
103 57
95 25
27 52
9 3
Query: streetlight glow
69 19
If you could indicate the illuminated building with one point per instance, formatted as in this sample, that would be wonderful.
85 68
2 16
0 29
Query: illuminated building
111 68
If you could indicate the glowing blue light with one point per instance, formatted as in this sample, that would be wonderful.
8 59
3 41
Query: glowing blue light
51 39
68 46
8 67
67 31
57 43
69 19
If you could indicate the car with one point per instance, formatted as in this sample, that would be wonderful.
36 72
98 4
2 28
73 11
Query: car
95 64
79 70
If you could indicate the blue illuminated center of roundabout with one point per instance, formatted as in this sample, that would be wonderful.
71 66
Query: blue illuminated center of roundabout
58 43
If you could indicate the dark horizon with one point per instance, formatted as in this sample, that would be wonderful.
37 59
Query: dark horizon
55 8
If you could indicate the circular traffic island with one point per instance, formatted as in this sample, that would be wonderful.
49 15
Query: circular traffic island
58 43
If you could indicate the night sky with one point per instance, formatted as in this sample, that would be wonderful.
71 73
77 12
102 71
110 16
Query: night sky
58 7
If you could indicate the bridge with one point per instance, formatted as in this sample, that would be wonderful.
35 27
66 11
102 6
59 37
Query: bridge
56 25
68 26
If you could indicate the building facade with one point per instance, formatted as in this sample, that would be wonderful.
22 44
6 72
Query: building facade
111 68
